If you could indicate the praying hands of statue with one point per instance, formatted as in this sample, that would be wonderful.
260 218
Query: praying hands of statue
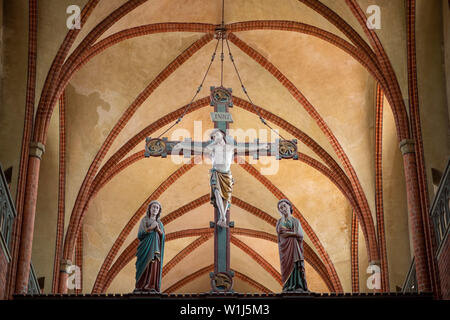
285 233
153 226
158 229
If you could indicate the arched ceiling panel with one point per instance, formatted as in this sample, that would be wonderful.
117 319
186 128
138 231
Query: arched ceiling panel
137 61
199 284
197 218
95 103
337 85
109 212
246 124
101 91
210 12
341 8
173 247
267 249
51 32
176 91
392 35
191 263
327 211
124 282
192 185
344 99
245 264
101 11
315 282
244 219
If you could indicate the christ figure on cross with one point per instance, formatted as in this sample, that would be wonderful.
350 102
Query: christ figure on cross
221 180
221 154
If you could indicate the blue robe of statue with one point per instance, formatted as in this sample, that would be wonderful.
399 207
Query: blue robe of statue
150 253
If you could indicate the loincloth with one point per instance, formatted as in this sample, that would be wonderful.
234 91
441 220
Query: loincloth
222 182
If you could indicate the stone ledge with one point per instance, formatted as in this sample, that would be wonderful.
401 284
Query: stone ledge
244 296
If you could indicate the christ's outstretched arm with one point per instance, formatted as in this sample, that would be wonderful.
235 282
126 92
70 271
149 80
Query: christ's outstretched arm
240 148
198 148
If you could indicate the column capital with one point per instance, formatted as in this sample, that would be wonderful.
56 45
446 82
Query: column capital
375 263
407 146
37 149
64 265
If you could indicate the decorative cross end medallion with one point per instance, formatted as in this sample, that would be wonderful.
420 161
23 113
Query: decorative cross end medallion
287 149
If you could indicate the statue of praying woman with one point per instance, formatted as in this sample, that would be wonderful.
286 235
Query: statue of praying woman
290 247
150 250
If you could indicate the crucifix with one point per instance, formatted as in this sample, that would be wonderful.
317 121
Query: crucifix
221 151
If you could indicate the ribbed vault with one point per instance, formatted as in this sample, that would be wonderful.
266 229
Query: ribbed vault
311 72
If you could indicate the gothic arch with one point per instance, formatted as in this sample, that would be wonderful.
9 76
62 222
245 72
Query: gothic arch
49 97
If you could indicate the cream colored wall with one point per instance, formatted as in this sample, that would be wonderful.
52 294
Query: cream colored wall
392 36
100 12
51 32
394 204
44 239
15 53
430 75
2 27
51 21
446 28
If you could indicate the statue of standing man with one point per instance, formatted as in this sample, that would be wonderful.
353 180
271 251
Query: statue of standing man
290 246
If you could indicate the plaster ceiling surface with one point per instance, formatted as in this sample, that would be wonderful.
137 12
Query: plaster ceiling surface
100 12
339 88
200 11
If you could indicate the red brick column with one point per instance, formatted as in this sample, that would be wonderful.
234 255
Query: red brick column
416 133
379 189
415 215
26 139
354 253
29 211
79 258
64 275
61 193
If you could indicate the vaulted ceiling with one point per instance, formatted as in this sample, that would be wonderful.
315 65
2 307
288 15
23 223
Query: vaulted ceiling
310 83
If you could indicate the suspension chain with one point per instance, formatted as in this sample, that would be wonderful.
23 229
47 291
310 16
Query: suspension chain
196 93
248 97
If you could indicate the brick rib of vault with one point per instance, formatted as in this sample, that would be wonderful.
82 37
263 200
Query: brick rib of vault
354 254
366 218
61 193
26 140
379 188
